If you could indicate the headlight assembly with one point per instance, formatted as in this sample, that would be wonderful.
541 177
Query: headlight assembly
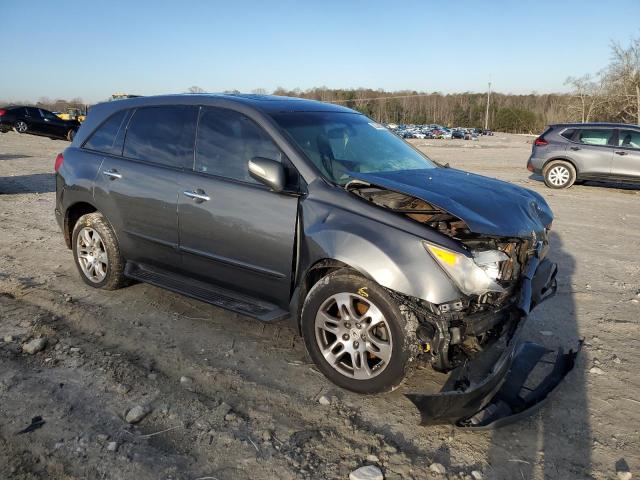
473 276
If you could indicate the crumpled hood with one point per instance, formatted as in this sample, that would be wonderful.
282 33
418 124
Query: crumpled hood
488 206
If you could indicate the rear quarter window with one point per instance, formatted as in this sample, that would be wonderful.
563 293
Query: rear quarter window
568 133
105 138
162 135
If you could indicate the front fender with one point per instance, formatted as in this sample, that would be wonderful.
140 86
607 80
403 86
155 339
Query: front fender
392 257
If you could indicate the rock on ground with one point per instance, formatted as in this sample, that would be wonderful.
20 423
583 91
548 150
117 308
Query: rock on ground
368 472
137 413
438 468
34 346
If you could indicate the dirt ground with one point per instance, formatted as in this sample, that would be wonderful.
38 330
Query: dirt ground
248 407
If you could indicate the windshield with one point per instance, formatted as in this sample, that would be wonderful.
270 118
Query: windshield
339 143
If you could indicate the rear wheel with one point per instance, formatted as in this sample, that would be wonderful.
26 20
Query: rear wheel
356 334
21 126
96 252
559 174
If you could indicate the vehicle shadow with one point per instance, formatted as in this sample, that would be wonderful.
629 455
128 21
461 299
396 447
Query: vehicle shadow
556 442
590 183
34 183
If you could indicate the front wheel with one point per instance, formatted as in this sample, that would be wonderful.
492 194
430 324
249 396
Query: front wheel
70 134
356 333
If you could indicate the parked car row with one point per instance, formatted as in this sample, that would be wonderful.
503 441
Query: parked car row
436 131
37 121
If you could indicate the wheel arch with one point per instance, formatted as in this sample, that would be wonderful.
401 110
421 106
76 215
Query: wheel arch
71 216
563 159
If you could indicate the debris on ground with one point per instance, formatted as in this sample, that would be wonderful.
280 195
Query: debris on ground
36 423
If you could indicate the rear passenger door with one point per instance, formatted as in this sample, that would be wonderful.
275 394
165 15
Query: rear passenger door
35 122
234 231
138 183
592 150
626 155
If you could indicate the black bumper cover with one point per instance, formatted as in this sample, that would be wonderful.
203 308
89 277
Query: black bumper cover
508 381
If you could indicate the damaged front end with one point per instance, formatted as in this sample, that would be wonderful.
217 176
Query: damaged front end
494 377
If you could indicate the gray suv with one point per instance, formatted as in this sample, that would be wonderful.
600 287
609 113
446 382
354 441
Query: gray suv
280 208
571 152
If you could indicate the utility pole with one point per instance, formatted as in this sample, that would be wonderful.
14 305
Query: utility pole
486 115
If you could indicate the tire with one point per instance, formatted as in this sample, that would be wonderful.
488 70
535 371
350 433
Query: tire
559 174
109 274
70 134
21 126
394 334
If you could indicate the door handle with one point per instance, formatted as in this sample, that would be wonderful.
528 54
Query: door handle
621 152
575 148
113 174
198 196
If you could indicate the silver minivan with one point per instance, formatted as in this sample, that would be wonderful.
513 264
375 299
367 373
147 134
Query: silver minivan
572 152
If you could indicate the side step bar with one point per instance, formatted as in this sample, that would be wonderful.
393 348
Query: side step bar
205 292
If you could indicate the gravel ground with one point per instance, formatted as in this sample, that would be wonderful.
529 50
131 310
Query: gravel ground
219 396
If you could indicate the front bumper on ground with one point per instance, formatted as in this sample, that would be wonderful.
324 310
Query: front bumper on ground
509 380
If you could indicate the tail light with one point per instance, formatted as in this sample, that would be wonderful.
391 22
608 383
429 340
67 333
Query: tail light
2 112
540 142
58 164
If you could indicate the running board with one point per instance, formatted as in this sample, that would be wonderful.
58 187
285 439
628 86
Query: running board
205 292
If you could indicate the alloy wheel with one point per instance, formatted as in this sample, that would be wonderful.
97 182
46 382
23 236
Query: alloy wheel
20 126
92 255
353 336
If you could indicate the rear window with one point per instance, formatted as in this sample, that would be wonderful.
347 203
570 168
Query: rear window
104 138
568 133
162 135
595 136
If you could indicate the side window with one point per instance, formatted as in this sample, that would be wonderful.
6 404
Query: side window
594 136
568 133
49 115
162 135
33 112
629 139
103 139
227 140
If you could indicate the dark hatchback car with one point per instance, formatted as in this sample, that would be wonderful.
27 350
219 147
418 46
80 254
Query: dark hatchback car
37 121
278 208
572 152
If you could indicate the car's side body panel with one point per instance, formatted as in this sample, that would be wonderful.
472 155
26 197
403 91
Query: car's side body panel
381 245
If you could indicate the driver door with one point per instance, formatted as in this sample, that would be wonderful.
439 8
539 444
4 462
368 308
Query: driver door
233 231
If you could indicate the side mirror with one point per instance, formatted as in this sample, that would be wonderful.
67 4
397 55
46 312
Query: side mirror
267 171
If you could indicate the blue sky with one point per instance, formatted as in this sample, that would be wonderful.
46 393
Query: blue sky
90 49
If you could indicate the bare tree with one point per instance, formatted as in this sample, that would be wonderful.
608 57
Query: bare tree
259 91
624 80
195 89
587 95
